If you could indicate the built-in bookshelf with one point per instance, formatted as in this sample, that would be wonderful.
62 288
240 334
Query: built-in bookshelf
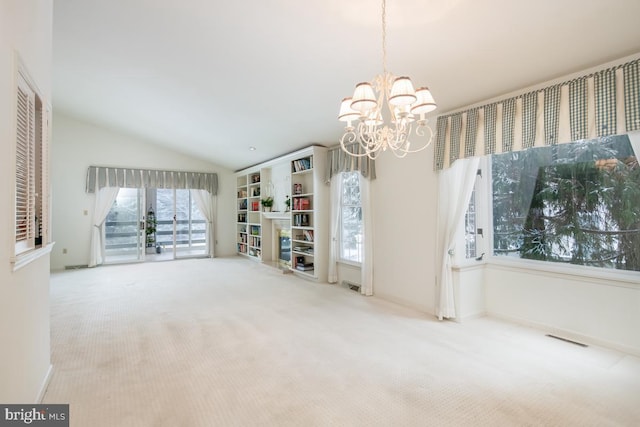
303 253
299 178
248 225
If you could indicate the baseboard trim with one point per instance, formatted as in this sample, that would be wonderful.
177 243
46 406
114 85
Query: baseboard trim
45 384
564 333
408 304
462 319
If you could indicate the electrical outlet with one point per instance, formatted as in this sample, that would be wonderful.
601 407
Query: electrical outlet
64 250
85 212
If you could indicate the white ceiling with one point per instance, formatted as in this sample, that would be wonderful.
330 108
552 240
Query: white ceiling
212 78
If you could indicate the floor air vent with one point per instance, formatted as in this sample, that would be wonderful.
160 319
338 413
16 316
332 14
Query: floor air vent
567 340
351 285
75 267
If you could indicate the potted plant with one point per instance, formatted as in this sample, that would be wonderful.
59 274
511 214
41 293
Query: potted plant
150 230
267 203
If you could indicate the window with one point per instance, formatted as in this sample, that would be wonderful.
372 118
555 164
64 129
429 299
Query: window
31 185
576 203
472 221
350 219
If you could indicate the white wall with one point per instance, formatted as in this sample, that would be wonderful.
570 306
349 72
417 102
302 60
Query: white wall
78 145
25 26
404 216
281 180
588 309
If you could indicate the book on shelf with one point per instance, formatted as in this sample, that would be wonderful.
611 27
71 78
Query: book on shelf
308 235
302 164
301 220
304 267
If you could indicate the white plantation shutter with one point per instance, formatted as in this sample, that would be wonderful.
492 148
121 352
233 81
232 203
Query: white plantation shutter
43 168
25 167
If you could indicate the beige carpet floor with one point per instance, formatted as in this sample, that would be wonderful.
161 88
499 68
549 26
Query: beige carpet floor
229 342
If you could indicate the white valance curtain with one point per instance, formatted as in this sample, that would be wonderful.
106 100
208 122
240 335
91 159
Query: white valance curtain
599 104
100 176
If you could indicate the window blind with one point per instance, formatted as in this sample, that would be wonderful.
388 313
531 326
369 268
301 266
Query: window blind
25 165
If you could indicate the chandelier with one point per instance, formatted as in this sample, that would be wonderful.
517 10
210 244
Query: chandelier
386 111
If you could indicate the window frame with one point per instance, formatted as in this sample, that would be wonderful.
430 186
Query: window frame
588 273
341 259
25 250
481 189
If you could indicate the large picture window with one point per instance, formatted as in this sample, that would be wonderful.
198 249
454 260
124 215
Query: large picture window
351 241
576 203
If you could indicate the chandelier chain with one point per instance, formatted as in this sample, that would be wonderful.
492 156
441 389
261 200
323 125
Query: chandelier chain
384 37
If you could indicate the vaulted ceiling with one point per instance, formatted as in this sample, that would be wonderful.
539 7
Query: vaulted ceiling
212 78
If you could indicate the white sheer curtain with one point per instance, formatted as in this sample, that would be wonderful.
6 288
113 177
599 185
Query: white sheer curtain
104 199
634 137
206 204
455 187
366 268
335 192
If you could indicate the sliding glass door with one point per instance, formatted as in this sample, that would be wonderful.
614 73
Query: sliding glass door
181 228
125 237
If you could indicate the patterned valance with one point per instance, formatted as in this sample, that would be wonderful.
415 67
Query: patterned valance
100 176
338 161
603 103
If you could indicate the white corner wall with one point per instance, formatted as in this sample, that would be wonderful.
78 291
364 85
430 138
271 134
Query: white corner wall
597 311
404 199
25 27
78 145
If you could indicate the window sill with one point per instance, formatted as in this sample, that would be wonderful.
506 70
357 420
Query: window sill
27 258
350 263
468 266
629 279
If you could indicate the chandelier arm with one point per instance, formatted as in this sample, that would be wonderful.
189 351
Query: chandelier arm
350 139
